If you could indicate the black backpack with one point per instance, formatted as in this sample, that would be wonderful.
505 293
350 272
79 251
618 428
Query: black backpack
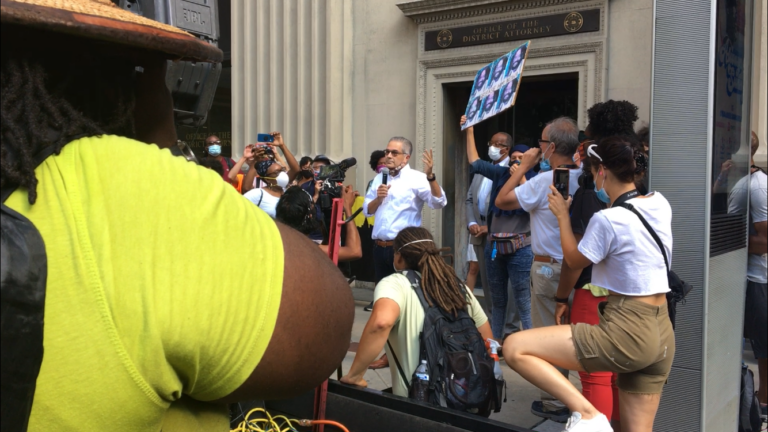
460 369
23 276
749 405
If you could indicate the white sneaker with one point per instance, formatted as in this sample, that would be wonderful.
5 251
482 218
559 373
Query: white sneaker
599 423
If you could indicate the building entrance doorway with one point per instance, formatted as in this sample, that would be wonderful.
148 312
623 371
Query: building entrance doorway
540 99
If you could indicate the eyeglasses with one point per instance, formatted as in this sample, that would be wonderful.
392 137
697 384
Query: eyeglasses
394 153
542 142
501 145
214 143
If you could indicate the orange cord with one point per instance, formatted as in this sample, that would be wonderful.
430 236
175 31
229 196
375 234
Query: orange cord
307 423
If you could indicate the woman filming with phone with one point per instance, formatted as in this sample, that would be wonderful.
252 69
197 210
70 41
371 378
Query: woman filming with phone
275 175
634 337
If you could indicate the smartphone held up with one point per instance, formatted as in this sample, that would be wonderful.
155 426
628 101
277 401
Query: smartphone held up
561 181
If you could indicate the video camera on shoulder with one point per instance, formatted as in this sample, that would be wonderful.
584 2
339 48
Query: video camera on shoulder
333 177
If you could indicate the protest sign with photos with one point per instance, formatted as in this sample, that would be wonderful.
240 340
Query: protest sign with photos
495 87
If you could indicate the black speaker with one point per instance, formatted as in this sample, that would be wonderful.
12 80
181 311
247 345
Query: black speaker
192 84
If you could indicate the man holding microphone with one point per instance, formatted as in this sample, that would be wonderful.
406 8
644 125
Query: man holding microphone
396 199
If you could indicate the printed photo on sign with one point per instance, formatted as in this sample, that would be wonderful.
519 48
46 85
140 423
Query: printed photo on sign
481 79
507 95
474 110
517 59
495 86
499 68
489 105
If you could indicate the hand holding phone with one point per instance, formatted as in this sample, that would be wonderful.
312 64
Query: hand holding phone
561 180
265 138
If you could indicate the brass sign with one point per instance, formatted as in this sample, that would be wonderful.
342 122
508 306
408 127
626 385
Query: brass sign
521 29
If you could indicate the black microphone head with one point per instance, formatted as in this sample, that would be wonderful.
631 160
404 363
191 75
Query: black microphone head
384 175
347 163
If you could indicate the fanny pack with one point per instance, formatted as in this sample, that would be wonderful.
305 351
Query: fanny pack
507 243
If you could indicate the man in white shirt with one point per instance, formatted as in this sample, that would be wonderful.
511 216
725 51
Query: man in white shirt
754 187
399 203
557 146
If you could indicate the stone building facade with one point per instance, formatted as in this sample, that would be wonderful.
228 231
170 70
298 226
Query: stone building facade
339 77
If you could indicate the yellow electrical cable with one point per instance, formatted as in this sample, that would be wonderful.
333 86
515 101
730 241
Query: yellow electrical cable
270 423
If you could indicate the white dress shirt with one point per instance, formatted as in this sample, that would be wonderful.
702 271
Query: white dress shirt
484 193
408 192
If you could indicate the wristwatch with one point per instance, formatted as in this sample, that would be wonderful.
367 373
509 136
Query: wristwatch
433 178
561 300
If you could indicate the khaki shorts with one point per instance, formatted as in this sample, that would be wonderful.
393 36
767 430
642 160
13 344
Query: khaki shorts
634 340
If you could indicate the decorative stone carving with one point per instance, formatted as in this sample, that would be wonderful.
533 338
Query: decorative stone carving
418 10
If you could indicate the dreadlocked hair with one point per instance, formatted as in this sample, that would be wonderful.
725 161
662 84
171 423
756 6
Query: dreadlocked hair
53 92
438 280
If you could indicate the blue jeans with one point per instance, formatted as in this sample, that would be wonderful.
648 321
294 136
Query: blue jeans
515 268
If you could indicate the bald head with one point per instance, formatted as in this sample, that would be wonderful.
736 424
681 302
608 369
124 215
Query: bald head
754 144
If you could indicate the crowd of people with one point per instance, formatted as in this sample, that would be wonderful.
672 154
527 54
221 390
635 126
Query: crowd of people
581 272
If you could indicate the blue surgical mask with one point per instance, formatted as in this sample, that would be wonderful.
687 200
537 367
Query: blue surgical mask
602 195
214 150
544 164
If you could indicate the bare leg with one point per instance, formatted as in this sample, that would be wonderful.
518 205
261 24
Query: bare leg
762 370
474 269
531 353
638 411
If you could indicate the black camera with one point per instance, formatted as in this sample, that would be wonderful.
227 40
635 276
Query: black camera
332 177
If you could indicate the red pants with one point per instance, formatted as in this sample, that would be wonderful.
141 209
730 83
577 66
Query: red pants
599 388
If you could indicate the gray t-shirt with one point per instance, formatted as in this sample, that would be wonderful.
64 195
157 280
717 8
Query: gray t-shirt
757 183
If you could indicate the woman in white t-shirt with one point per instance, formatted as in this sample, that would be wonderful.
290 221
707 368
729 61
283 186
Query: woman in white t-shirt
277 179
634 337
397 314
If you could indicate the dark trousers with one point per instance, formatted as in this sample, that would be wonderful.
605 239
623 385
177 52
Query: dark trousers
383 261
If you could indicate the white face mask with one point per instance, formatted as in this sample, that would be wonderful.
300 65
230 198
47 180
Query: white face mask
494 153
282 180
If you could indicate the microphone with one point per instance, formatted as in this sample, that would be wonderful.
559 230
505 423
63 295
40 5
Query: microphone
347 163
384 175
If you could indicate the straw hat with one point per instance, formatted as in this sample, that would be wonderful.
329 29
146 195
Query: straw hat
103 20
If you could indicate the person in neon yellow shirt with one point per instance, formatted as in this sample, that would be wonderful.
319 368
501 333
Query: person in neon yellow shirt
159 310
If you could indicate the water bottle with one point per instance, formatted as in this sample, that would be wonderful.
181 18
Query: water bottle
493 346
421 384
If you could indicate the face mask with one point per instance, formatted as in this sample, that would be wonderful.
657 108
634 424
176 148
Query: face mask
544 164
214 150
307 174
494 153
602 195
283 180
379 168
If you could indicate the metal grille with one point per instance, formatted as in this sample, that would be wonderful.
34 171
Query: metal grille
728 233
680 130
725 312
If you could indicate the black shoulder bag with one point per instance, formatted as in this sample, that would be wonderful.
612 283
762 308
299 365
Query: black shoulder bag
679 289
23 276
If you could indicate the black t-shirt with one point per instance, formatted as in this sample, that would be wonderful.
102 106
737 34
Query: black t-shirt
585 204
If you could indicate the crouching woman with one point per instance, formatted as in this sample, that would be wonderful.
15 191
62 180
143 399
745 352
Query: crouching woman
634 337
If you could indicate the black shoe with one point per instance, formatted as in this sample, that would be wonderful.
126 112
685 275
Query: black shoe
560 416
369 307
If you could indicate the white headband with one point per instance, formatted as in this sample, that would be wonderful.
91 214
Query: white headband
415 241
591 152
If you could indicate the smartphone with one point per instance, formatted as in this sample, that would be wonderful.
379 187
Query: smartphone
265 138
561 180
